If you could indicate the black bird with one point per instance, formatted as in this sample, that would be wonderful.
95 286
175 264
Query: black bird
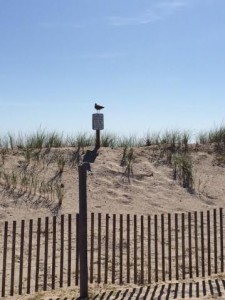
98 107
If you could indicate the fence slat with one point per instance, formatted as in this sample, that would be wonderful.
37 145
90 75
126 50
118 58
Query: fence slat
113 248
176 246
121 250
202 244
196 243
209 242
77 250
38 254
221 240
21 258
61 252
99 246
190 245
156 248
128 248
169 247
53 250
142 249
135 249
215 240
4 257
106 247
163 247
183 244
92 247
29 259
149 250
46 255
69 249
13 259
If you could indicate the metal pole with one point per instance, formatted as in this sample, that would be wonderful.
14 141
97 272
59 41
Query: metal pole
83 231
97 139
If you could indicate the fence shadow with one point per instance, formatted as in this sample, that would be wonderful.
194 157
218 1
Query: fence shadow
214 288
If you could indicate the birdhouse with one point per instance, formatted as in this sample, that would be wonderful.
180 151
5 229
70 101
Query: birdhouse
97 121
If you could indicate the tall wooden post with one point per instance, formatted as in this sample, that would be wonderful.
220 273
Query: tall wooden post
83 231
97 143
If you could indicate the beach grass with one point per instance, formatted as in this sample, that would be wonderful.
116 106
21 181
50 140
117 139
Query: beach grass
173 138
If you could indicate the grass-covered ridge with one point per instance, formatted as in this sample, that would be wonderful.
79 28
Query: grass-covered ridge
34 167
52 139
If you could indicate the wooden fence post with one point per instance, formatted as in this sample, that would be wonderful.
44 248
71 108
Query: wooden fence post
169 247
61 251
53 251
183 244
135 249
202 244
45 279
13 259
190 244
142 249
163 248
176 246
38 254
77 249
99 246
113 248
196 244
209 242
106 246
156 248
221 239
83 230
97 143
149 250
29 255
128 248
4 258
121 249
92 248
21 258
69 250
215 239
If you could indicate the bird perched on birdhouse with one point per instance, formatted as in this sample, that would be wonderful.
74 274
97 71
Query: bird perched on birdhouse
98 107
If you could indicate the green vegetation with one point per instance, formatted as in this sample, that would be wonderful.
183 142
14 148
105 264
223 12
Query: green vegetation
108 140
215 136
127 162
42 148
42 139
182 171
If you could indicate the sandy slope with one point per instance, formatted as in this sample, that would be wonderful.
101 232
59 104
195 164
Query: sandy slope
149 189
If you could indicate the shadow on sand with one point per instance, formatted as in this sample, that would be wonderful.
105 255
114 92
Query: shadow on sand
89 157
211 288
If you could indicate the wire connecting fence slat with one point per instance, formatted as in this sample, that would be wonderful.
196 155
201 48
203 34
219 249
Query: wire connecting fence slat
43 254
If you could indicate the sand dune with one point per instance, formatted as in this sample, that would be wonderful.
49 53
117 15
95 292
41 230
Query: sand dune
148 189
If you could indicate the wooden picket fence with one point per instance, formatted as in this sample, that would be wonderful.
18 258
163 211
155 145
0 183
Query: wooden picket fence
43 254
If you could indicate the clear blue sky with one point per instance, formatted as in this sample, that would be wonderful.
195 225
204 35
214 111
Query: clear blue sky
154 64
